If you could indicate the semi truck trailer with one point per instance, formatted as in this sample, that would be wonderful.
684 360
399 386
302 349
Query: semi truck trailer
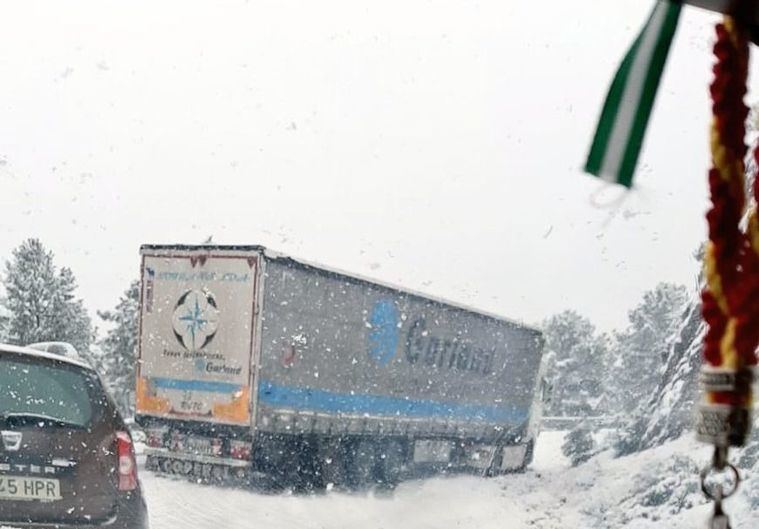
253 365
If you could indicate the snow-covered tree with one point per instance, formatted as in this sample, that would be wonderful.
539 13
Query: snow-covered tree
40 302
640 352
579 444
119 345
4 322
74 325
669 410
575 370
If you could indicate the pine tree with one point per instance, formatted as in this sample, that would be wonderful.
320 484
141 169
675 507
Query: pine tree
4 322
641 350
74 326
119 346
579 444
40 303
669 410
576 356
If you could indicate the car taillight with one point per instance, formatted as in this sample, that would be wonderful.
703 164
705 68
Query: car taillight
127 467
239 450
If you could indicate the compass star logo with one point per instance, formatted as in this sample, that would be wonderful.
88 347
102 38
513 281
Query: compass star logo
195 319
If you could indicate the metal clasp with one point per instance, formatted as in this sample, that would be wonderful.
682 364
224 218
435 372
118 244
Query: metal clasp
716 492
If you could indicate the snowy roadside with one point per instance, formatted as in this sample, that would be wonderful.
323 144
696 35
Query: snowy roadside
433 503
653 489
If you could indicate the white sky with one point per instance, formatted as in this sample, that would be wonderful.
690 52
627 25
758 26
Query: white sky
437 145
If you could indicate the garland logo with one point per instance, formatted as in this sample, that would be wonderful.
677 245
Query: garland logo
195 319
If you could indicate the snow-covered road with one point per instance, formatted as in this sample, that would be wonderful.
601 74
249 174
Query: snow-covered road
604 492
433 503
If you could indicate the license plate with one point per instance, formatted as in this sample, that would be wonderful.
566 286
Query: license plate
195 469
195 445
27 488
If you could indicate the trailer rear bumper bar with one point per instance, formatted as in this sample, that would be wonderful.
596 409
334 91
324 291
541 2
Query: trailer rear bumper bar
196 458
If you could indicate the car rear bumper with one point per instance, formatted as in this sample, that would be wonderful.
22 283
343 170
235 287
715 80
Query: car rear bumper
131 513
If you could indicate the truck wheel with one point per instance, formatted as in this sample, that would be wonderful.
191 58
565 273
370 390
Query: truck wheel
393 458
276 463
308 473
151 463
332 462
363 463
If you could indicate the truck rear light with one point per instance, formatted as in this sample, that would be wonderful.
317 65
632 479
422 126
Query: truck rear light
240 450
154 437
127 467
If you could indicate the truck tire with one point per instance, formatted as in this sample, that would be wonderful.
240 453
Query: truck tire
151 463
333 463
274 463
308 476
393 462
362 469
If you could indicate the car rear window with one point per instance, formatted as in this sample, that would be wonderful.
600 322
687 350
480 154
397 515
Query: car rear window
56 349
53 390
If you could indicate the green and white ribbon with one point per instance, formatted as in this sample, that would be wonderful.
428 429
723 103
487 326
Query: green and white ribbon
622 125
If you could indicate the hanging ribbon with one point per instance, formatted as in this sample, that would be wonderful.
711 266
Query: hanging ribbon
626 112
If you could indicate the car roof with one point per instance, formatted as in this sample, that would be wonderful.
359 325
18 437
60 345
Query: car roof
26 351
49 343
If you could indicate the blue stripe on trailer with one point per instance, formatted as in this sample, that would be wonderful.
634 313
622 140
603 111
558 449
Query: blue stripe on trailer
195 385
330 402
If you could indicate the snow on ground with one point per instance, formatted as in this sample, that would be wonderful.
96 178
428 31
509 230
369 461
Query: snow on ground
654 489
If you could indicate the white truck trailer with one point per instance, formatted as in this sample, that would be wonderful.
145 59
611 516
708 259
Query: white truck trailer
254 365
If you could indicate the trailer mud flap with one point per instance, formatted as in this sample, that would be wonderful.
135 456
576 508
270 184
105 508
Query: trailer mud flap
429 451
513 457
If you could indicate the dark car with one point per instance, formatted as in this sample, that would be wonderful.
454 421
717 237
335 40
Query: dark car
66 456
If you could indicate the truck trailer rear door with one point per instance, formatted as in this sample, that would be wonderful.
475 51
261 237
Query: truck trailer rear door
197 327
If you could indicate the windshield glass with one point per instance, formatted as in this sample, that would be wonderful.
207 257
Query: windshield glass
45 391
406 264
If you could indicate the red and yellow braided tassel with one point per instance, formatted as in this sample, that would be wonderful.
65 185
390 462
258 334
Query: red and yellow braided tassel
731 297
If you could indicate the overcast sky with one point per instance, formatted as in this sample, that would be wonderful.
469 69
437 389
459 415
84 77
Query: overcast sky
437 145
